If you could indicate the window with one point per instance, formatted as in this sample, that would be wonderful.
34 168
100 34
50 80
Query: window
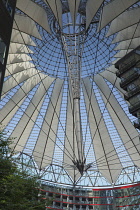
2 50
131 86
8 6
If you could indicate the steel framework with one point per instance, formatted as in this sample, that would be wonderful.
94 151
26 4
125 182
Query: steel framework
61 98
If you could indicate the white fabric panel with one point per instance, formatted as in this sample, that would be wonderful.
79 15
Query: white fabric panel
56 7
70 146
128 33
68 151
17 58
49 149
21 93
18 67
26 25
127 132
124 20
19 48
111 77
128 44
17 78
47 137
9 113
122 53
26 123
35 12
92 7
103 147
21 38
73 5
112 10
18 144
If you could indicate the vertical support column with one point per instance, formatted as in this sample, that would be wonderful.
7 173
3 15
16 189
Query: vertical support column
73 51
78 129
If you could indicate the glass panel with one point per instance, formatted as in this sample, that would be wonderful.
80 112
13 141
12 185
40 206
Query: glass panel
8 6
2 50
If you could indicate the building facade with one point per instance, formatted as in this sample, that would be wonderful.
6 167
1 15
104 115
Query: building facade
129 73
7 10
120 197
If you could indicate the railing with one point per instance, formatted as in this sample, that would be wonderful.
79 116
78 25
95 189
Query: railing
129 79
131 93
137 123
126 67
134 108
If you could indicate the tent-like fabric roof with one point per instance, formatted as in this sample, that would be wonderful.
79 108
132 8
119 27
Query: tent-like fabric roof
37 106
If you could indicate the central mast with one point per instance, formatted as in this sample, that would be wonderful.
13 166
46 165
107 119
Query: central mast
73 38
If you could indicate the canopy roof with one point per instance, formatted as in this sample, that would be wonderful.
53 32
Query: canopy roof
36 105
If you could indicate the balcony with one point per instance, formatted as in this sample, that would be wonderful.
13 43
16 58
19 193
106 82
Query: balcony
134 108
132 93
126 67
129 79
137 124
